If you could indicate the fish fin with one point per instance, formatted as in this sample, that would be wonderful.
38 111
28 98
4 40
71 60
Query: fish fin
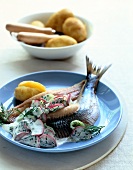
96 70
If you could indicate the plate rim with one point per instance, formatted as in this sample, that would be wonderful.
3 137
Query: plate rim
37 72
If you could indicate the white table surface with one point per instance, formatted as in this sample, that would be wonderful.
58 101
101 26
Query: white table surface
111 42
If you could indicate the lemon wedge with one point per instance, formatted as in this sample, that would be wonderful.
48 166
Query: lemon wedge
33 84
28 89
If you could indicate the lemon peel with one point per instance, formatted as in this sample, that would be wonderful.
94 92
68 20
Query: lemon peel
33 84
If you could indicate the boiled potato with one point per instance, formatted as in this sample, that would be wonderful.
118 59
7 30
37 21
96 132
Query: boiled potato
75 28
57 19
27 89
61 41
38 24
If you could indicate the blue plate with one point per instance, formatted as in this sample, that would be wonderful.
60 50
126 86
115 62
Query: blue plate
109 102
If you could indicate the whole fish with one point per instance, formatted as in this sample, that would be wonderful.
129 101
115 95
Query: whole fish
88 110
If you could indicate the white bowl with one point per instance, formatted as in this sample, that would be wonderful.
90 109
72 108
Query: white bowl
53 53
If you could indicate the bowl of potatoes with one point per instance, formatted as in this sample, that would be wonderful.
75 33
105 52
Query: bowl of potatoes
51 35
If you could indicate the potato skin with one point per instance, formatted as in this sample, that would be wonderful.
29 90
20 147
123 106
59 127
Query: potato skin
57 19
75 28
61 41
38 23
23 93
27 89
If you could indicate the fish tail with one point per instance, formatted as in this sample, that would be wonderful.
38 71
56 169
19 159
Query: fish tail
95 72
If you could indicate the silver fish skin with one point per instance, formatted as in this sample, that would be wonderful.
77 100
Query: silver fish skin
88 111
89 107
